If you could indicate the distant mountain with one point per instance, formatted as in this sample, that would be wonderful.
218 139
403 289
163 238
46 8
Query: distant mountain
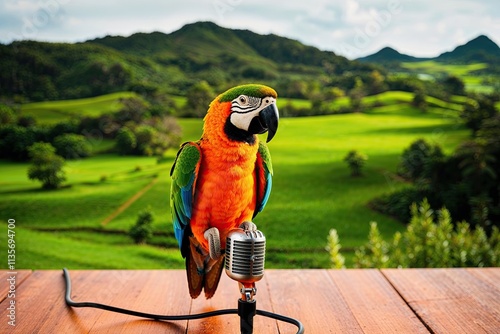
388 55
166 62
480 49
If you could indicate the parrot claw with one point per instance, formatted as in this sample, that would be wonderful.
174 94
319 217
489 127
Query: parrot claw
248 226
213 237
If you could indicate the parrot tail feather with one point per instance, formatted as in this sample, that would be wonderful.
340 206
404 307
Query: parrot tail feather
194 278
212 277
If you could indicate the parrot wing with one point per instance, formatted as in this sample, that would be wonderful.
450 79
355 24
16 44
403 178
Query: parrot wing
264 177
184 173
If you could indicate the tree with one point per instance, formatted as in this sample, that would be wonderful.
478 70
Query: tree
146 139
419 100
416 160
72 146
199 97
126 141
14 141
356 95
356 161
454 85
7 115
475 111
142 231
47 166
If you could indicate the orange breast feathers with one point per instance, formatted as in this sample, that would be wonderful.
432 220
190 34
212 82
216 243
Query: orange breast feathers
225 194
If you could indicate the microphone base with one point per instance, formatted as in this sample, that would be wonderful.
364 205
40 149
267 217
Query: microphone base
246 311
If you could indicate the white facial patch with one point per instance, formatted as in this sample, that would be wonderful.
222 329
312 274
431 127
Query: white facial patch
245 108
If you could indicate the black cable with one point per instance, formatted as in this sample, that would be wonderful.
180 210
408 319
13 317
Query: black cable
70 302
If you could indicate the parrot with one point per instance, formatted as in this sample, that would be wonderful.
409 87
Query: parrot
223 180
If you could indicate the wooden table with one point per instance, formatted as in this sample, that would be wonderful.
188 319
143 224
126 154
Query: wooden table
325 301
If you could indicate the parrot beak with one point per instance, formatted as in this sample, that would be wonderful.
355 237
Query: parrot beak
267 120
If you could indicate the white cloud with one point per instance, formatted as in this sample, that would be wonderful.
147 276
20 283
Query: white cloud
423 28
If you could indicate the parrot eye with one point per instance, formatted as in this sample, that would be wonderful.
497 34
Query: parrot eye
243 99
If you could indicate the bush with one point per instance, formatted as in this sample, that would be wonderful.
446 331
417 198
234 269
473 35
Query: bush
431 243
126 141
47 166
418 159
142 231
333 247
356 161
72 146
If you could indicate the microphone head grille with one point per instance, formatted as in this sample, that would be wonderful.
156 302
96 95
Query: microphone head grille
245 255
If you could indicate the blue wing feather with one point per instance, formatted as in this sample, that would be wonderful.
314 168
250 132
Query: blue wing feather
264 177
184 174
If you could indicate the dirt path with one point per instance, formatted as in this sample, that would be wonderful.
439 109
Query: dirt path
129 202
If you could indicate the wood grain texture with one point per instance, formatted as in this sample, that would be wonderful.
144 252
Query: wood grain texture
374 303
5 275
325 301
451 300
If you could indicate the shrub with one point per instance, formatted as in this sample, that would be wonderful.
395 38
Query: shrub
126 141
47 166
142 231
418 159
72 146
356 161
333 247
430 241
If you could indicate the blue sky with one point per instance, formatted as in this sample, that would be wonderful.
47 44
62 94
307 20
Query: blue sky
351 28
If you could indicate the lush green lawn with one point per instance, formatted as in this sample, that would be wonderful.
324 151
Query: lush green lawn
312 192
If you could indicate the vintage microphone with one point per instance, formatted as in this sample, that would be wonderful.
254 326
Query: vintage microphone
245 257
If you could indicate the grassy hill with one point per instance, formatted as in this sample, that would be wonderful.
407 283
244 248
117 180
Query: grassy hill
312 191
50 112
475 75
158 62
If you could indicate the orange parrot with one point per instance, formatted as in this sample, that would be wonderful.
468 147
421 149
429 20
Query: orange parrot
222 181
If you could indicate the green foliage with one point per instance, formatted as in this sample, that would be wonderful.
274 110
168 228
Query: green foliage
47 166
142 231
431 243
476 111
453 85
418 159
356 95
333 247
14 141
126 141
199 97
72 146
7 115
419 100
355 160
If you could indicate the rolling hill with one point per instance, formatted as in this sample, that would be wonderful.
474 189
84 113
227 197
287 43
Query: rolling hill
388 55
147 62
478 50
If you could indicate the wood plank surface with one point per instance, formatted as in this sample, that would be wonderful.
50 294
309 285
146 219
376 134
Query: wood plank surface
5 277
325 301
451 300
375 304
341 301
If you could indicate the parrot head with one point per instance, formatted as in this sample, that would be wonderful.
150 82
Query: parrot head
245 111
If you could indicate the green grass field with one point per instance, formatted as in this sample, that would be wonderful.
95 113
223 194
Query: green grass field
312 192
50 112
473 81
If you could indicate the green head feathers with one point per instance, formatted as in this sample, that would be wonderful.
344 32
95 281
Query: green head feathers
249 90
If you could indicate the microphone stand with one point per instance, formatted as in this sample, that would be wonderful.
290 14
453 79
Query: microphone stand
247 307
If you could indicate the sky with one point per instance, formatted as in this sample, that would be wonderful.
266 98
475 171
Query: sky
351 28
